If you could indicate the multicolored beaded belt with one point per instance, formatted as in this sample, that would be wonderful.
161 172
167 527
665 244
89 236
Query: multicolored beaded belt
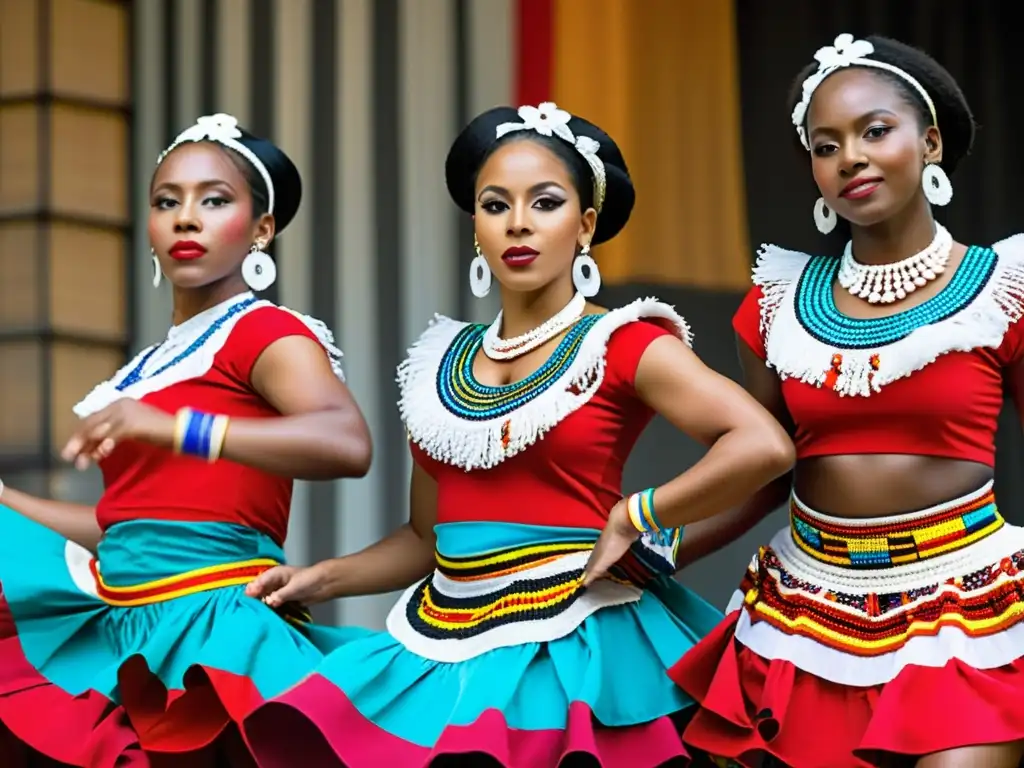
894 541
467 596
522 595
188 583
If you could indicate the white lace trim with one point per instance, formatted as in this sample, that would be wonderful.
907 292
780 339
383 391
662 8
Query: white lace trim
196 364
478 444
794 353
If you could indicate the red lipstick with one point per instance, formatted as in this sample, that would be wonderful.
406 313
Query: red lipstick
186 250
860 188
519 255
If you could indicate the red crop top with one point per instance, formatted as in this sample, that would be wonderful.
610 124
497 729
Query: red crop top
949 408
570 477
144 481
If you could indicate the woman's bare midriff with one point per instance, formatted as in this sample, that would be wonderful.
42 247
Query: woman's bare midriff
876 485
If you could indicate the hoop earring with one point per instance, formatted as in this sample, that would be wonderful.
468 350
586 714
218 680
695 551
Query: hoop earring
258 270
937 188
825 218
479 273
157 273
585 274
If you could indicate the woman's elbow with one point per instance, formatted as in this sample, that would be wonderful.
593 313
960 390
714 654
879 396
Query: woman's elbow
358 455
349 452
776 450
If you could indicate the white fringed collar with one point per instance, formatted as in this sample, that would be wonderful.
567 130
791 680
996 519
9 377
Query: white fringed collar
807 338
509 419
158 373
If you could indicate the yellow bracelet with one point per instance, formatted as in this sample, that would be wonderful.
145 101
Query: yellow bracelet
180 424
218 434
641 511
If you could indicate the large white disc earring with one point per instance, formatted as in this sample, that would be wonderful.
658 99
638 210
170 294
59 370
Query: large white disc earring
585 274
936 185
479 273
258 269
157 274
825 218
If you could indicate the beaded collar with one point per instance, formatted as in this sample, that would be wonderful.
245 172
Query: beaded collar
818 314
808 338
457 420
467 398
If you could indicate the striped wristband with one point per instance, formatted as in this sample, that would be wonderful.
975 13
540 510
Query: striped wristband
200 434
641 511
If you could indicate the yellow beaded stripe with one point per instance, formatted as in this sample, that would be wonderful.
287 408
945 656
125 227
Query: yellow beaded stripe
806 625
983 602
180 585
447 617
893 544
506 561
523 591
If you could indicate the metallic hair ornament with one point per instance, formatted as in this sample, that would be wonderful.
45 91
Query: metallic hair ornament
847 52
548 120
223 129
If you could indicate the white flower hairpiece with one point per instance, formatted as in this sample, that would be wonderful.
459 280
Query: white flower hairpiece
223 129
548 120
845 51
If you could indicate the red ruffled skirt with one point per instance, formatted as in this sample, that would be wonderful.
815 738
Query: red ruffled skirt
850 640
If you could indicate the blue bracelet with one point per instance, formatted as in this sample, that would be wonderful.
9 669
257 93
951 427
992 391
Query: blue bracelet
196 435
641 511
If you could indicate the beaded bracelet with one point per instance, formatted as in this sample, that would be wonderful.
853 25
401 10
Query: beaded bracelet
641 511
200 434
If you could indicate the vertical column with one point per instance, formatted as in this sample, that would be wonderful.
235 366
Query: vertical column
491 72
64 223
292 29
152 308
428 255
362 519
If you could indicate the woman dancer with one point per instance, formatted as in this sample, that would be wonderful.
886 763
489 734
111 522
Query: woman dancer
884 625
198 439
505 647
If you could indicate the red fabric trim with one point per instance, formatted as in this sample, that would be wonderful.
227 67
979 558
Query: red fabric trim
534 50
315 724
751 707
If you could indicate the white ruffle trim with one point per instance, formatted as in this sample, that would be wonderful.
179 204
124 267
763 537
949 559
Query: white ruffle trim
601 594
196 364
794 353
478 444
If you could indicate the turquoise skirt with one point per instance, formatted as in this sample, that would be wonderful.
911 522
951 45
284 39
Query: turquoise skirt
152 646
501 653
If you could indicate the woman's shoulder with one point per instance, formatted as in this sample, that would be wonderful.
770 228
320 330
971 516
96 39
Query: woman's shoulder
266 323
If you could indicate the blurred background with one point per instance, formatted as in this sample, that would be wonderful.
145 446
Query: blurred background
366 96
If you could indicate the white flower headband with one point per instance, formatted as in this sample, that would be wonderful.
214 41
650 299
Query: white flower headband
547 119
847 52
223 129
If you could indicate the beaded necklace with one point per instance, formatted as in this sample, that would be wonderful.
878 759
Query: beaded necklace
135 375
467 398
817 312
